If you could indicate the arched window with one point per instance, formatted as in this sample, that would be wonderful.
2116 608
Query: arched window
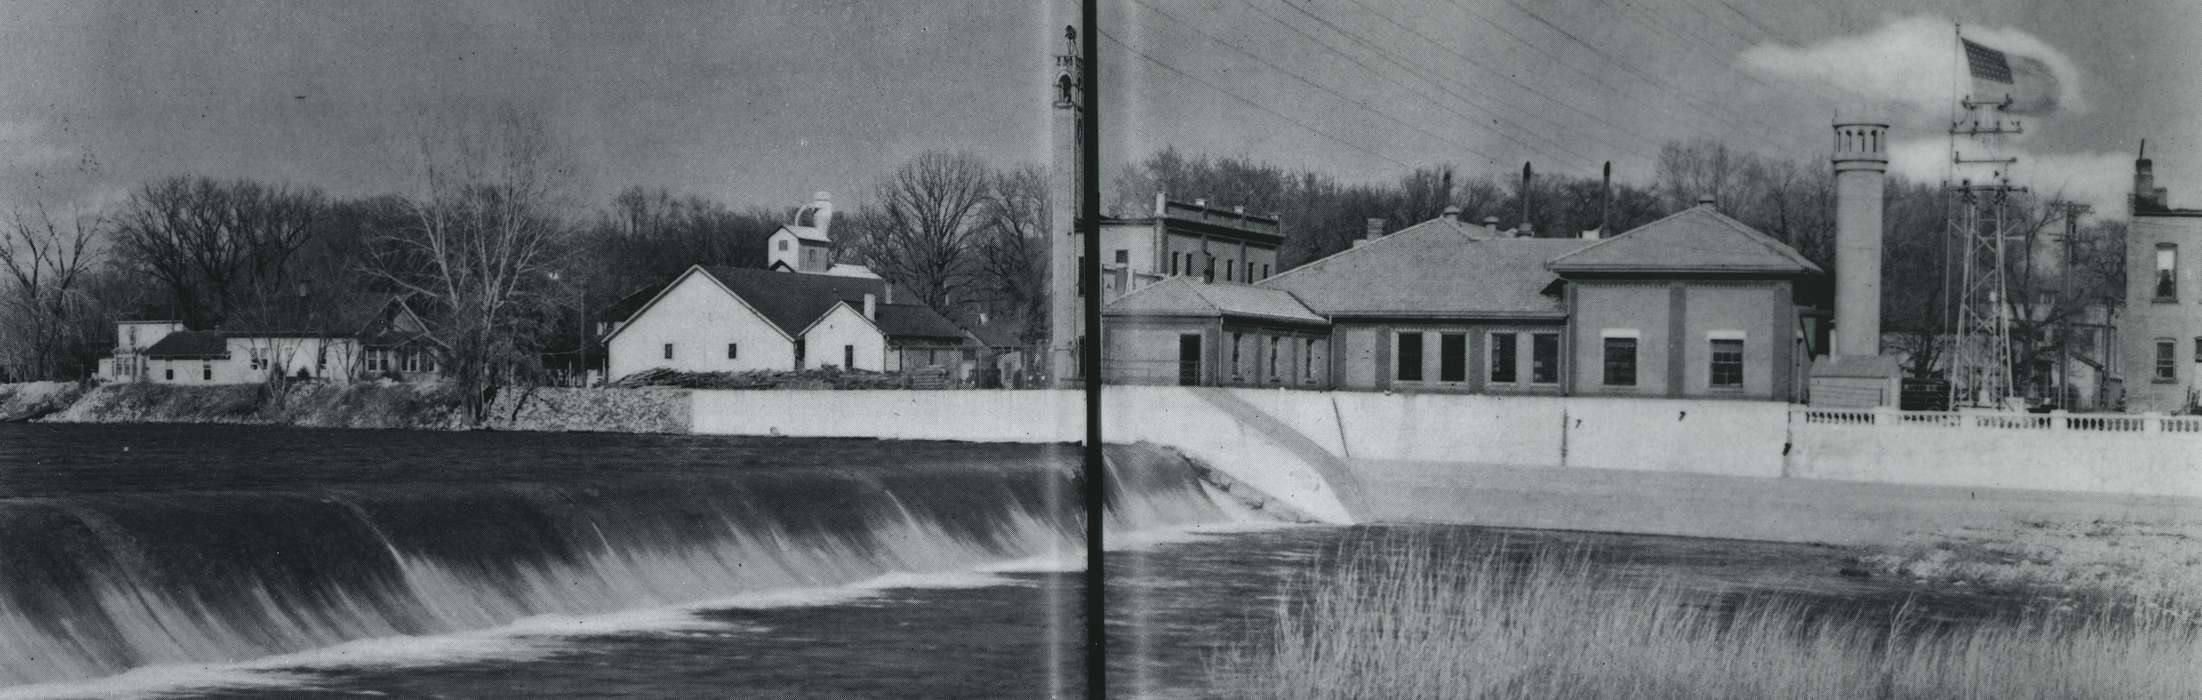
1062 86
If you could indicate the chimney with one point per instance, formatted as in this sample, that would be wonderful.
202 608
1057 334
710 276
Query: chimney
1605 203
1241 211
1527 230
1861 165
871 306
1491 224
1526 175
1452 213
1375 229
1706 200
1201 202
1162 204
2144 182
889 289
1592 235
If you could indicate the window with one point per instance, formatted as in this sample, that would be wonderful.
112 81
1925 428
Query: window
1227 267
206 370
783 245
668 351
1452 357
1544 358
848 356
1410 357
1727 370
1249 272
169 374
1620 360
799 353
1307 360
1208 268
1235 371
1265 270
733 351
2167 272
2166 366
1085 276
1503 360
1173 263
1123 257
1273 341
258 362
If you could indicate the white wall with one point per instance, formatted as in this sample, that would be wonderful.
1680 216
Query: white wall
2057 460
699 318
841 328
1170 416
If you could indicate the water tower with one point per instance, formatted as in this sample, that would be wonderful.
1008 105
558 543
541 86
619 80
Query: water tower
1855 373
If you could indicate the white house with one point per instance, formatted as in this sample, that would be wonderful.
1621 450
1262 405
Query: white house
164 352
725 319
806 245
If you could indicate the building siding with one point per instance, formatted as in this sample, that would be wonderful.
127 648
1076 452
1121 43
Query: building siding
699 318
845 331
2148 320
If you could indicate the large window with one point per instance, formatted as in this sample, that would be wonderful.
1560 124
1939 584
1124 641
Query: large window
1544 358
1503 359
2167 272
1727 371
2167 369
1620 360
1410 357
1452 357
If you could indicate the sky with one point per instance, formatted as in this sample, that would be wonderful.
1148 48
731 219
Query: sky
762 103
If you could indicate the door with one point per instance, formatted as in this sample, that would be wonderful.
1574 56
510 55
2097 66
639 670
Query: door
1188 359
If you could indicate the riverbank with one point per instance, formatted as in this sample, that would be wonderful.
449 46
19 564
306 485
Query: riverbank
34 400
380 405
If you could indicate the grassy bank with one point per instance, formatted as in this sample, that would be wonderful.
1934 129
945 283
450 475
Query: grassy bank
34 400
2154 563
1395 619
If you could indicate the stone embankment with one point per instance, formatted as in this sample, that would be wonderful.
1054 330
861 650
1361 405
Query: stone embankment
385 405
34 400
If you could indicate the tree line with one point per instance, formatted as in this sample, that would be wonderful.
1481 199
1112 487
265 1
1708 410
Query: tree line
490 246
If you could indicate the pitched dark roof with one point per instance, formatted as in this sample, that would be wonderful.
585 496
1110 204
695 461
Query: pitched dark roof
995 331
188 344
1186 296
1699 239
1432 271
626 306
792 300
914 321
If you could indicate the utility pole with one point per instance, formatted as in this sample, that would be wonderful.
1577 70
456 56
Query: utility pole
2072 213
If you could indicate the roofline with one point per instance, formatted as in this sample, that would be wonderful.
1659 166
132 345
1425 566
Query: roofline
2167 214
1219 315
1369 315
693 269
1729 270
1755 235
838 303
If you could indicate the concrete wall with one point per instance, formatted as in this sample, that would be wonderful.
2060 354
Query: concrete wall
1256 452
699 318
2155 462
843 332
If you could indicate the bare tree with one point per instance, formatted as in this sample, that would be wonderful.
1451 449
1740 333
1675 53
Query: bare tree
46 259
925 222
483 234
1013 248
216 246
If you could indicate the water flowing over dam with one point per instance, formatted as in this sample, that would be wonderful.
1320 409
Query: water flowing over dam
188 550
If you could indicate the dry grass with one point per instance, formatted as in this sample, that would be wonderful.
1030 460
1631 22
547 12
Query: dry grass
2150 564
1395 619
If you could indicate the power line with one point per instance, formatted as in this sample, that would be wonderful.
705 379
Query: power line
1250 103
1374 71
1539 48
1303 79
1646 18
1678 91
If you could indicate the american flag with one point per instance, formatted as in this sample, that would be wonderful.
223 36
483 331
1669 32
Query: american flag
1987 63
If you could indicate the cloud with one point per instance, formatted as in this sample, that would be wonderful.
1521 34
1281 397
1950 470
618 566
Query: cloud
1909 66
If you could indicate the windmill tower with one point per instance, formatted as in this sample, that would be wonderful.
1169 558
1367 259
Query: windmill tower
1979 226
1063 258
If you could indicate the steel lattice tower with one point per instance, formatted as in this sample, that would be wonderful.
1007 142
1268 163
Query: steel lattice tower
1979 228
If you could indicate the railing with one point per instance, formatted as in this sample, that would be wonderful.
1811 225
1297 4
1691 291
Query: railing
1987 420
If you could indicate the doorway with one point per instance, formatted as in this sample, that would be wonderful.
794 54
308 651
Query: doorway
1188 359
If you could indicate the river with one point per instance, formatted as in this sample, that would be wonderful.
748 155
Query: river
144 560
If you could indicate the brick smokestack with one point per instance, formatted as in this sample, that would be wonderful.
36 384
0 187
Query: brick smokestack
1861 163
1605 203
1526 176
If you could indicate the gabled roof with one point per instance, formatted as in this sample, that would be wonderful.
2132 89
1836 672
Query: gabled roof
1446 270
189 344
792 300
808 234
1699 239
1464 228
914 321
1186 296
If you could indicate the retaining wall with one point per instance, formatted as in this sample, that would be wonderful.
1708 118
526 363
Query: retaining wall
1313 449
